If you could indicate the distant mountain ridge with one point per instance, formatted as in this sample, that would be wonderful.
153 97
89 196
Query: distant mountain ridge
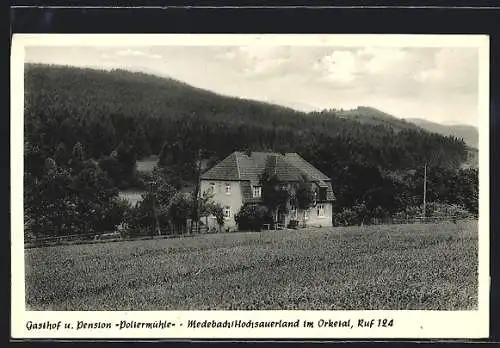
373 116
469 134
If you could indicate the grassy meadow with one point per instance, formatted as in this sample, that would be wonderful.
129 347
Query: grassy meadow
428 266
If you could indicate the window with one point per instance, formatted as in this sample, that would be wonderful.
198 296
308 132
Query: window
294 214
227 212
321 210
228 189
306 214
322 194
257 191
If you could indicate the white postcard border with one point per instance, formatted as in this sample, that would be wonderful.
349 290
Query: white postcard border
407 324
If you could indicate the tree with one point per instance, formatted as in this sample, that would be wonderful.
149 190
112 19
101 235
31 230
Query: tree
206 204
251 217
61 155
304 196
166 156
139 218
178 162
93 192
218 211
78 151
49 209
150 209
275 196
111 167
163 190
179 210
158 198
34 160
113 215
153 209
69 200
78 157
127 158
466 190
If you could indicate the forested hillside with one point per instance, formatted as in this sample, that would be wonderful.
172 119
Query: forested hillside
469 134
101 109
117 117
372 116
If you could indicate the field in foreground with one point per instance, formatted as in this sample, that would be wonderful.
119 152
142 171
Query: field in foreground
431 267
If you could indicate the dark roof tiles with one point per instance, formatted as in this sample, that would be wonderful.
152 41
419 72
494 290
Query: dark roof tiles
249 167
227 169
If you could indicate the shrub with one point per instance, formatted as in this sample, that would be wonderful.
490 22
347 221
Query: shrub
252 217
217 211
114 214
355 215
435 210
179 211
345 217
138 221
293 224
442 210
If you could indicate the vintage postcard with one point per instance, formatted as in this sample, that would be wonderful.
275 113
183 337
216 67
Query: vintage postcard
250 186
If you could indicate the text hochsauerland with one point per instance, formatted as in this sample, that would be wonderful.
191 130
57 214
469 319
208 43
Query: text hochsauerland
195 324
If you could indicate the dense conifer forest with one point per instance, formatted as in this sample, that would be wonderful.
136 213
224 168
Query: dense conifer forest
85 129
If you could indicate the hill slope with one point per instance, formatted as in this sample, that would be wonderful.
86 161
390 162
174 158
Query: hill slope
372 116
102 109
469 134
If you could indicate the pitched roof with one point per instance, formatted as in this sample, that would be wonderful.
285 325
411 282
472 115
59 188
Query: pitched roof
249 167
283 169
227 169
311 172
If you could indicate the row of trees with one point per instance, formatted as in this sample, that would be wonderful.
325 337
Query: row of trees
79 195
164 209
449 195
71 197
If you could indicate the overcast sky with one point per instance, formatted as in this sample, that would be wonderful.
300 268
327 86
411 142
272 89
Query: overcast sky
436 84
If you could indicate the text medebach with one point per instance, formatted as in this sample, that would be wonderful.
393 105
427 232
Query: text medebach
230 324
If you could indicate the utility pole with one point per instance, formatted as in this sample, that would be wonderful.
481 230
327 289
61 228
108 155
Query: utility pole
155 225
196 200
425 188
274 137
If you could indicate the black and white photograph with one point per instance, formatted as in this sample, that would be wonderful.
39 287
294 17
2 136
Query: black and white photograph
253 174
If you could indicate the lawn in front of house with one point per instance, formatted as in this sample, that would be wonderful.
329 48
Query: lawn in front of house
390 267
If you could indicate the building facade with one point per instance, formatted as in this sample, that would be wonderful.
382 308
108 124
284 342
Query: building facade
236 181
